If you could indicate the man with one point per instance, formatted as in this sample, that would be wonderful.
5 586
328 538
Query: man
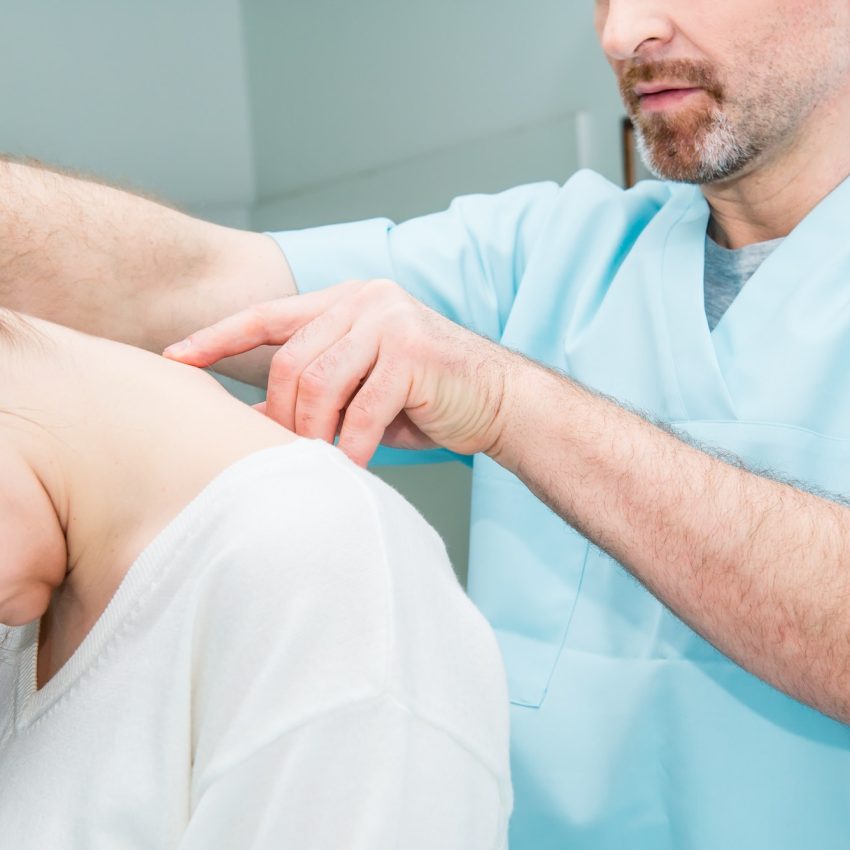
629 729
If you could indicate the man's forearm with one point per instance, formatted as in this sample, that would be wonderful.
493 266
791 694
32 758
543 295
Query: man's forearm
118 265
757 567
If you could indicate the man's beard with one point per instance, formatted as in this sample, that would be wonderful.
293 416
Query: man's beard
695 145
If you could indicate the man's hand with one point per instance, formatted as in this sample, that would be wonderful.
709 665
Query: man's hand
367 361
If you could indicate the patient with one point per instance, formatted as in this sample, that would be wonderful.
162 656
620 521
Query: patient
222 636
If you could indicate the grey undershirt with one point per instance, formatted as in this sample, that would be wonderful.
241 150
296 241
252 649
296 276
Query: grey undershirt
726 272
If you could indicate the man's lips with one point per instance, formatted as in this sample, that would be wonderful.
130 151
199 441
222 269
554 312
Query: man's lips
660 85
655 97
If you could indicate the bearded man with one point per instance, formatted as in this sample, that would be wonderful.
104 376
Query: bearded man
653 384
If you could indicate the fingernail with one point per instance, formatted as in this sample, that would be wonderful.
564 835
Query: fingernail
178 348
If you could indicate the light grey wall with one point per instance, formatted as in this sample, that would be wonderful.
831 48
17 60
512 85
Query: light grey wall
152 95
386 108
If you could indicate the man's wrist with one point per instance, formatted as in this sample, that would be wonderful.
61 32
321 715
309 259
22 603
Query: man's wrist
514 375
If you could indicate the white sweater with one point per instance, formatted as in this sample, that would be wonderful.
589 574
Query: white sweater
289 664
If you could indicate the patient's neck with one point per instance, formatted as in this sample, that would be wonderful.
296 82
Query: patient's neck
130 439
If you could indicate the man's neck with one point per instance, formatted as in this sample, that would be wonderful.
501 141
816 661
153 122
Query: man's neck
781 188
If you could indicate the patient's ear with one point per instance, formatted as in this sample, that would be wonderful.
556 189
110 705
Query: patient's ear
33 553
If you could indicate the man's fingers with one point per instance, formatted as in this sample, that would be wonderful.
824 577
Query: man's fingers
327 386
401 433
304 348
305 367
381 398
270 323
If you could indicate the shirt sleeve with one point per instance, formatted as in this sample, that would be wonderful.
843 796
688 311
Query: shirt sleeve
465 262
367 776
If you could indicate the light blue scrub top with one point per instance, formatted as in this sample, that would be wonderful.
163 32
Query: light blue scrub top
629 730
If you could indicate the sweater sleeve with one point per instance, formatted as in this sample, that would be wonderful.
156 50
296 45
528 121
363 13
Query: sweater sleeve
465 262
345 691
366 776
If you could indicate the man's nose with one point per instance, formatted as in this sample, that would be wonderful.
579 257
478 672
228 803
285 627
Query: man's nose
631 28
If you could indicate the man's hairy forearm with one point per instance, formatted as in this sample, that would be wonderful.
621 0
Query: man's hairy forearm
760 569
114 264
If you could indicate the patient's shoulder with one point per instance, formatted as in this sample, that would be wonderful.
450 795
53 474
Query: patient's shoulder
304 505
328 580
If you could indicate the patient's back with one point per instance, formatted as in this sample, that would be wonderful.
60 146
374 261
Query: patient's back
290 663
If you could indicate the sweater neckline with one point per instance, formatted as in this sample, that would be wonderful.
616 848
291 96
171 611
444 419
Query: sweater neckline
139 583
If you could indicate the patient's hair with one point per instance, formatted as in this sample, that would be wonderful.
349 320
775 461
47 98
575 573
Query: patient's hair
16 331
5 325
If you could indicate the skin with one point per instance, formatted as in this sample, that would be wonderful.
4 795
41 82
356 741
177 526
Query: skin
367 359
94 258
784 103
94 467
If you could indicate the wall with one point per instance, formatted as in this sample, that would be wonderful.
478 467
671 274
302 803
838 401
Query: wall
151 95
384 108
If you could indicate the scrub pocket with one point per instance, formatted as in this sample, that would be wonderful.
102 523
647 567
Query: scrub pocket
526 572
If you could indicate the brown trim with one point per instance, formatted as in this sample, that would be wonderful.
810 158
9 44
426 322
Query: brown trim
628 143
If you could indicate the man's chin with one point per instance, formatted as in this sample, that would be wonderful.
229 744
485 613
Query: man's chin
682 151
694 169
